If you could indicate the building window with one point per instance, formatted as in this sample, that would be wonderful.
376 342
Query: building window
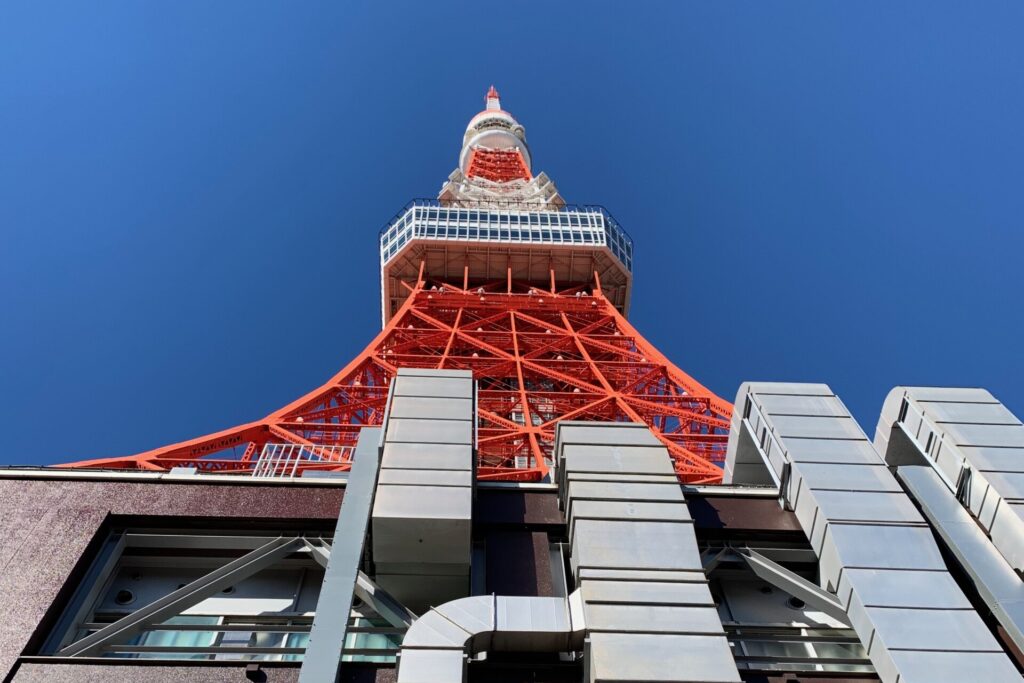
216 595
770 629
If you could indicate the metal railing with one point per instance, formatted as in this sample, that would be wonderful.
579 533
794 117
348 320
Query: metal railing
283 460
506 221
797 648
251 639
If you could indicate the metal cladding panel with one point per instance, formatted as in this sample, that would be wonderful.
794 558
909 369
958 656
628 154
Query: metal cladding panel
434 374
1009 485
652 619
999 435
996 582
659 658
870 539
579 461
974 443
864 506
473 616
418 407
623 478
980 413
839 451
789 388
595 490
423 509
953 394
817 427
328 631
901 588
920 666
743 462
615 459
431 666
635 558
433 387
531 614
788 404
422 524
902 628
948 459
430 430
817 510
635 545
874 477
647 593
877 547
1007 533
683 576
486 622
582 491
427 456
596 434
628 510
419 569
413 503
414 477
434 630
998 459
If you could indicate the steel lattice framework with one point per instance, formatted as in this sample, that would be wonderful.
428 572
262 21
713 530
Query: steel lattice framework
539 356
501 277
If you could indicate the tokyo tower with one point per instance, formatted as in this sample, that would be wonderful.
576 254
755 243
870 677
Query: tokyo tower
500 276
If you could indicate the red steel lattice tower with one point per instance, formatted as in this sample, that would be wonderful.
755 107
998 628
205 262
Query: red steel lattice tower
500 276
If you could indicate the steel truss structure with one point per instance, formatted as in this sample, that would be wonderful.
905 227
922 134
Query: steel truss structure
509 287
539 356
498 166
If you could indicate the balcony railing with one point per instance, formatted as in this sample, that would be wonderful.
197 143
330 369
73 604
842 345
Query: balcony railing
506 222
795 648
284 460
251 639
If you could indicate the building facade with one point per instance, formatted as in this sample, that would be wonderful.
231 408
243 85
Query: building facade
512 484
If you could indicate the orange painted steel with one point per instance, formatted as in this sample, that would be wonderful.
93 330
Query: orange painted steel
497 165
539 356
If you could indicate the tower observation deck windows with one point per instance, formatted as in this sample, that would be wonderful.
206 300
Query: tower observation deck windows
515 223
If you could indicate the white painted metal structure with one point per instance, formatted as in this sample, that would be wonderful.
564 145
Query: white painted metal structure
496 129
960 453
648 612
423 507
876 551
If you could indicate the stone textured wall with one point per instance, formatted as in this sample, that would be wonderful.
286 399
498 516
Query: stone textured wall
46 527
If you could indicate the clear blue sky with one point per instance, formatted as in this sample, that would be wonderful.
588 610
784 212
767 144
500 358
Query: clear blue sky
190 191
